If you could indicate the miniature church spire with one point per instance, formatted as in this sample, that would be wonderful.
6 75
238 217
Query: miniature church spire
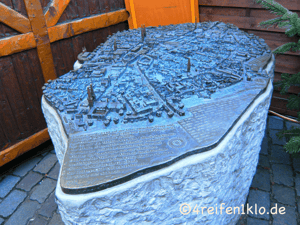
143 32
92 91
91 95
189 65
115 45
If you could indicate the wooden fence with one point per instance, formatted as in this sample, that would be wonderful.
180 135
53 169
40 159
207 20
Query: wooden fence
246 14
40 40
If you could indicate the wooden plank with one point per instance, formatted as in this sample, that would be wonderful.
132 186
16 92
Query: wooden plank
28 88
19 6
67 54
284 111
63 18
274 40
36 71
264 13
94 7
20 148
274 44
292 89
16 44
3 139
14 19
223 11
83 8
119 4
277 95
88 43
289 4
106 10
268 35
71 10
69 13
250 23
45 3
241 12
2 33
115 4
85 25
11 87
110 4
8 31
7 120
55 11
280 103
118 27
26 41
99 36
78 44
38 24
287 64
57 58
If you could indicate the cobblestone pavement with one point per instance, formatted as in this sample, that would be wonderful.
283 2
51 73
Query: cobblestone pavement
27 185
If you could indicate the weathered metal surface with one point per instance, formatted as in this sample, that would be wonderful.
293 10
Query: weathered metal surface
140 103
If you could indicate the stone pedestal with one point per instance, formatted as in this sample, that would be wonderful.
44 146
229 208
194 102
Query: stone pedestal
221 175
151 132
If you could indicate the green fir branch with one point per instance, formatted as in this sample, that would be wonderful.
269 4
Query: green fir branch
285 48
288 133
293 145
274 7
288 20
287 80
293 102
291 23
297 47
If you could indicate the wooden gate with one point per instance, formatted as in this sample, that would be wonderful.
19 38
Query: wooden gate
40 40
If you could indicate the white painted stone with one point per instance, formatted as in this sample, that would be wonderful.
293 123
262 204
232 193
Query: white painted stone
77 65
221 175
56 130
270 67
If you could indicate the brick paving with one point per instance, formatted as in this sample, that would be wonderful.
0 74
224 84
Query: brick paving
27 185
27 189
276 182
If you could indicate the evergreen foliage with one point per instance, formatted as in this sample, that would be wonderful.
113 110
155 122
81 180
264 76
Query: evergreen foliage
289 21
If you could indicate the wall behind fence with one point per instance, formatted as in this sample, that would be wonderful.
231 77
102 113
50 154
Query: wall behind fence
40 39
246 15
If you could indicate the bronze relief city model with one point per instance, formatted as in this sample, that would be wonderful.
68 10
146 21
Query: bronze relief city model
148 97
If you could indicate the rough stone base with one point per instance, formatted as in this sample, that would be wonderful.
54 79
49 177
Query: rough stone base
221 175
56 130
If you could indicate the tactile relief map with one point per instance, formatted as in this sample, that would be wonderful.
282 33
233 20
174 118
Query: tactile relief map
148 97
